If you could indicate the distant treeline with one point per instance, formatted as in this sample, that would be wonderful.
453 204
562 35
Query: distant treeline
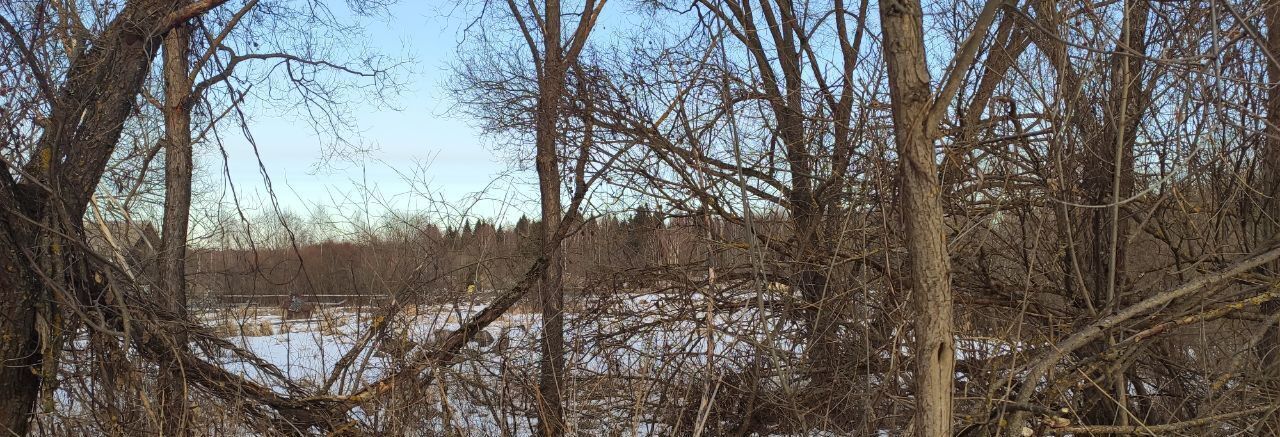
451 259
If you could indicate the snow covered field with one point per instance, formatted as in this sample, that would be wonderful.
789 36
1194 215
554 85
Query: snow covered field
638 365
617 357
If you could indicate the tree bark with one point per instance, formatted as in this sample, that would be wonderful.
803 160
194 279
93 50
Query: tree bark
84 124
177 210
550 89
921 209
20 350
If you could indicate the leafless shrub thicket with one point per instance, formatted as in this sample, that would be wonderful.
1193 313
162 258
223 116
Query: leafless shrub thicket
934 218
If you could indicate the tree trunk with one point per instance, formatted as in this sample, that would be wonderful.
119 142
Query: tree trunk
921 210
84 124
1108 179
19 377
177 209
550 88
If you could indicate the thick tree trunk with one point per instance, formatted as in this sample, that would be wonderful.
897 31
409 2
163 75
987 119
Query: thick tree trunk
177 209
921 210
550 88
19 376
83 127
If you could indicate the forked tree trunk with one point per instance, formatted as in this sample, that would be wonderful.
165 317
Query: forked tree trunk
83 127
921 210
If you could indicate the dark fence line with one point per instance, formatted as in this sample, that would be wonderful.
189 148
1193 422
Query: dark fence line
318 299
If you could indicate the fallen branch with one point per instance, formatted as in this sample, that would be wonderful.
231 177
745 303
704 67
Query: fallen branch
1113 352
1095 330
1165 428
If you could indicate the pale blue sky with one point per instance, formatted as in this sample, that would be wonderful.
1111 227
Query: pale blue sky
422 150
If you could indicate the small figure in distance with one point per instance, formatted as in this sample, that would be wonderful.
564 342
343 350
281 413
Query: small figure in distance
297 308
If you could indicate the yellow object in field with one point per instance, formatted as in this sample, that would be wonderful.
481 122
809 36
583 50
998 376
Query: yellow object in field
471 288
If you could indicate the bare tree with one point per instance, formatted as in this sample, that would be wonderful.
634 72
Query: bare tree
551 76
177 212
62 285
916 112
742 201
46 197
552 55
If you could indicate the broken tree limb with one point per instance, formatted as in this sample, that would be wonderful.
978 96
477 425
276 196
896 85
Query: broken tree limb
1164 428
1037 369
